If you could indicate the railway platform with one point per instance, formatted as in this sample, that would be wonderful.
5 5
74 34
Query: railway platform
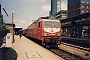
28 50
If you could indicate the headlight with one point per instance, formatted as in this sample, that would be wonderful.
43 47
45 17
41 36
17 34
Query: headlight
58 34
45 34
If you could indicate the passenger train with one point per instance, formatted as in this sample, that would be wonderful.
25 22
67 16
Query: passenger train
45 31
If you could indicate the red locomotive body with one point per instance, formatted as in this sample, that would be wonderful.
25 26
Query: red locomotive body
47 31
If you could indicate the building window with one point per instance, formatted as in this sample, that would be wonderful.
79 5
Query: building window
87 10
82 1
82 6
85 1
87 7
82 11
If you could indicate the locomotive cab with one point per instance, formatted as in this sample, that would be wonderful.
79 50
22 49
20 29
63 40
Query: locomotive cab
45 31
52 32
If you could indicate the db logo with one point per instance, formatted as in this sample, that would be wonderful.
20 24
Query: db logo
52 30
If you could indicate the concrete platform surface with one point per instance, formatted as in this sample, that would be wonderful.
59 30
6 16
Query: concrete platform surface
28 50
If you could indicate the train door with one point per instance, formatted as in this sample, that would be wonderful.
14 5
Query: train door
39 31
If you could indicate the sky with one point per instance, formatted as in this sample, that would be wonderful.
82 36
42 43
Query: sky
26 10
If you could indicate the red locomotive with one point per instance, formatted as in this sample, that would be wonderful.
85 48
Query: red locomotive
45 31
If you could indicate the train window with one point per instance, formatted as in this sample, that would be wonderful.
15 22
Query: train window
47 24
55 24
39 24
51 24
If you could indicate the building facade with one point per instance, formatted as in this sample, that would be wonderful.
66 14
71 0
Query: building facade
0 8
61 14
59 5
53 7
78 7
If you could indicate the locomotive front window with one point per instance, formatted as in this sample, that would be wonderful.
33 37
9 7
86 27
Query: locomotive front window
55 24
47 24
50 24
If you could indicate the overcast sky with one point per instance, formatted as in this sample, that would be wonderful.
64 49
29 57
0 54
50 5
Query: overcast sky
27 10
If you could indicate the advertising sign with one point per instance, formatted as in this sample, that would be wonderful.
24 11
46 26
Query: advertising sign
9 40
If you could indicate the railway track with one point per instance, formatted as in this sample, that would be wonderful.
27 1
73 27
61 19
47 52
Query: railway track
76 46
76 50
65 55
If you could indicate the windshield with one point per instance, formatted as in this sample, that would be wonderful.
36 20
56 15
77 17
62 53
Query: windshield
55 24
49 24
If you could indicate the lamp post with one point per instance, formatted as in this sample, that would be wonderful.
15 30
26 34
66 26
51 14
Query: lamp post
12 28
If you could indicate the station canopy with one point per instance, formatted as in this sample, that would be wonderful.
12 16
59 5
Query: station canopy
78 17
